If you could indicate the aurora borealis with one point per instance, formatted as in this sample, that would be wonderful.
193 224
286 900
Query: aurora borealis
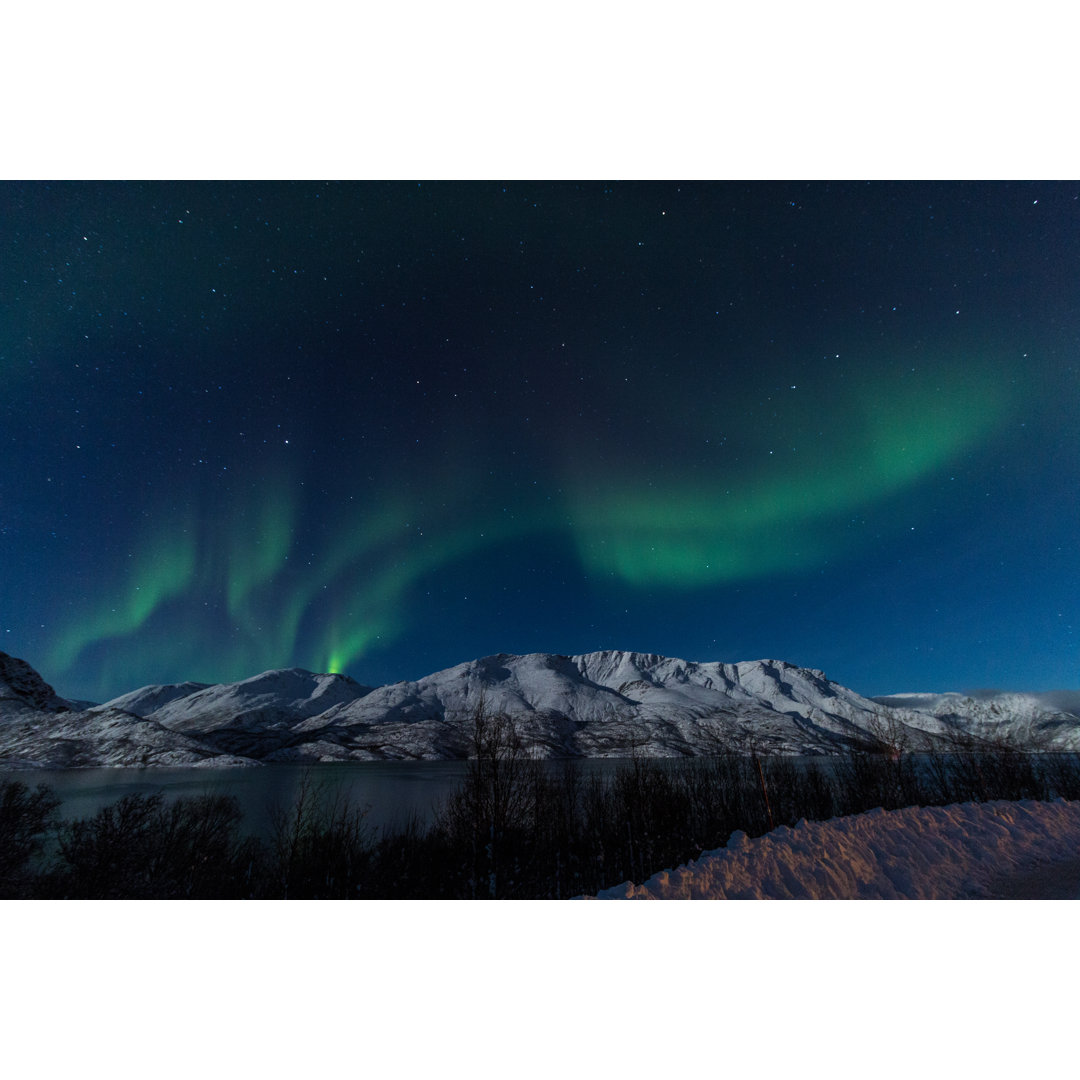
382 428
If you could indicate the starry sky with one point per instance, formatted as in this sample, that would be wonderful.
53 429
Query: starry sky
381 428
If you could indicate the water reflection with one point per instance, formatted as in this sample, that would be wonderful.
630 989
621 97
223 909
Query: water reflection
392 791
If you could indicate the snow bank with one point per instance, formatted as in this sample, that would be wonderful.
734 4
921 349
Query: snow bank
919 853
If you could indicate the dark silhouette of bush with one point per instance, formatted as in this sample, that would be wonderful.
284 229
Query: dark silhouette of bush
142 847
415 860
321 847
1062 775
26 818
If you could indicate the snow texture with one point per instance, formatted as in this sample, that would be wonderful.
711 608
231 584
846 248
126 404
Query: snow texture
966 851
1041 720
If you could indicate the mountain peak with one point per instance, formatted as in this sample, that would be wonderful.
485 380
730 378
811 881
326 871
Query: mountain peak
296 678
21 683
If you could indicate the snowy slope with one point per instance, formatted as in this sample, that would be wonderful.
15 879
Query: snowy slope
919 853
150 698
768 704
1031 720
253 717
21 687
292 692
101 738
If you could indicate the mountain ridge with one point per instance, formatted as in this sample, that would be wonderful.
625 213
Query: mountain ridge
607 703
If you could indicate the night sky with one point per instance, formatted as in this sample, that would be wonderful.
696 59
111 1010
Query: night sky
383 428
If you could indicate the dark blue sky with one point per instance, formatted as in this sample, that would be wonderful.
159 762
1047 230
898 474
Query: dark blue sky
386 427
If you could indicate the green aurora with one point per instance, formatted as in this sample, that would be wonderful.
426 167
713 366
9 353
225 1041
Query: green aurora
383 428
787 514
331 595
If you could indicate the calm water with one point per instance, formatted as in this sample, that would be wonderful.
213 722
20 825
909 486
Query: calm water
391 790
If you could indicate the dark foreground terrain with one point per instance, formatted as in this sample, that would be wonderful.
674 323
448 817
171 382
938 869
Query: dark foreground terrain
513 828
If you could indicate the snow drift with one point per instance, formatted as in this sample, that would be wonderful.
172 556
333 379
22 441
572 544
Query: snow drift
919 853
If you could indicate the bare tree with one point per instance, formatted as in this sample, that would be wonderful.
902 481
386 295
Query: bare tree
321 843
494 801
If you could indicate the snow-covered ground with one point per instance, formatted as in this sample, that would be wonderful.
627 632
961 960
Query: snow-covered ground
995 850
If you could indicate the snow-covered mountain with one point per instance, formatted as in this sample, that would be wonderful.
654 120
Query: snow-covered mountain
21 687
601 704
254 718
608 704
39 729
1045 721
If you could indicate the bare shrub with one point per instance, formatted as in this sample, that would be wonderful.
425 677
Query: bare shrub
141 847
26 818
321 845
